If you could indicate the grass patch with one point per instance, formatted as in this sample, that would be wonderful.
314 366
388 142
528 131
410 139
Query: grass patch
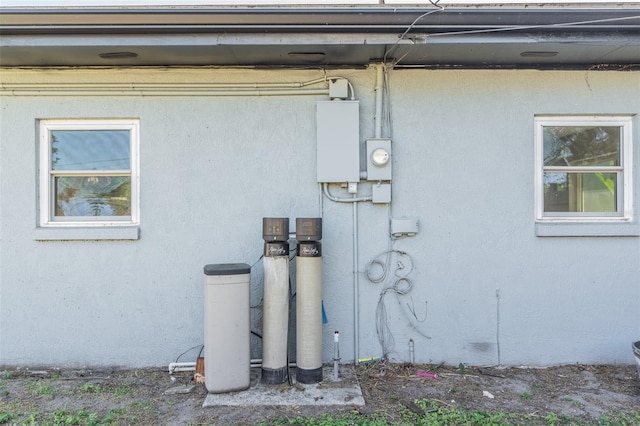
122 391
65 417
40 388
91 388
6 416
435 414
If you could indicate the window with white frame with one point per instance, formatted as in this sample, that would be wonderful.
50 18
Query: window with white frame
89 172
583 168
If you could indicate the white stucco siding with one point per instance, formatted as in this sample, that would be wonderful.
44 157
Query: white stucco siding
212 167
558 297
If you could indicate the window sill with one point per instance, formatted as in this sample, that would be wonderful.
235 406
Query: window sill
87 233
591 229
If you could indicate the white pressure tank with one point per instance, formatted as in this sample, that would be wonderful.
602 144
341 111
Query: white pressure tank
227 331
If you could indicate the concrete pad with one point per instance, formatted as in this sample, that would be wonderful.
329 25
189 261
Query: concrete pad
345 391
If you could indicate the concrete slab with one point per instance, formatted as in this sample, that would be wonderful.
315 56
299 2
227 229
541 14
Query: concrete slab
345 391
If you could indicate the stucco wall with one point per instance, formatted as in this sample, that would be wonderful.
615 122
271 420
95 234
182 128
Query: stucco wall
212 167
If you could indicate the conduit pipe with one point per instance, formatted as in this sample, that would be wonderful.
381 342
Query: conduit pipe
143 86
356 279
325 189
378 91
379 98
377 120
167 89
165 92
356 288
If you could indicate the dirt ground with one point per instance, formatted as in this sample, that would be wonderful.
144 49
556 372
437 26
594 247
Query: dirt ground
579 392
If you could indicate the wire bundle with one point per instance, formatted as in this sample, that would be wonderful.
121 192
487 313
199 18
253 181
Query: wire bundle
399 284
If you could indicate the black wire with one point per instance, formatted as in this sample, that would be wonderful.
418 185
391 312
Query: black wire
189 350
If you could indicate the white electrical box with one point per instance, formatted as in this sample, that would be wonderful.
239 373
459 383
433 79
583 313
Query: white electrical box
379 159
338 88
338 141
404 227
381 193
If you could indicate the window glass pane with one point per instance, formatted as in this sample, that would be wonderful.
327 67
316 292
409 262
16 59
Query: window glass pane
581 145
93 196
90 150
580 192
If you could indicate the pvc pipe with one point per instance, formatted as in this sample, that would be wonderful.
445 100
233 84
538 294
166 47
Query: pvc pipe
44 91
336 354
166 89
378 96
142 86
182 366
356 287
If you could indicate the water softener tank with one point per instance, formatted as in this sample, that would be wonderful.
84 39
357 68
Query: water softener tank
227 333
275 317
309 300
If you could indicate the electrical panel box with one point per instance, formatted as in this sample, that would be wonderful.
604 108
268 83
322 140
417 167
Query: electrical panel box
379 159
381 193
338 141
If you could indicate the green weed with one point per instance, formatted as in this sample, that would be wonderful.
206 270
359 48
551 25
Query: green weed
437 414
40 387
122 391
91 388
621 419
6 416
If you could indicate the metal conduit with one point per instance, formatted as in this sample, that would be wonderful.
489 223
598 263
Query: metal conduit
6 90
160 86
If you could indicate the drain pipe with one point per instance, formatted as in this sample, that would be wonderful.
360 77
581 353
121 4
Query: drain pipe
182 366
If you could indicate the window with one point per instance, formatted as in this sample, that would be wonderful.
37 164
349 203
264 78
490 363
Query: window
88 172
583 168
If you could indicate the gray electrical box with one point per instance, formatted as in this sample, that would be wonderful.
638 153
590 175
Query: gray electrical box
338 141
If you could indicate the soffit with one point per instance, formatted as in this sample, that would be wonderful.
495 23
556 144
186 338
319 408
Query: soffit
322 37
